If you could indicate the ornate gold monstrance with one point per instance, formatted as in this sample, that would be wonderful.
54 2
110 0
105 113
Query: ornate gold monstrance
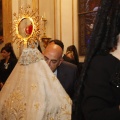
26 27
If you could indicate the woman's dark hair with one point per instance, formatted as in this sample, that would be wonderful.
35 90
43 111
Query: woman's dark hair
73 49
8 47
57 42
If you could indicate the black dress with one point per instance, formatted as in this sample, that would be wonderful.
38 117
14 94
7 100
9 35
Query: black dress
5 70
102 89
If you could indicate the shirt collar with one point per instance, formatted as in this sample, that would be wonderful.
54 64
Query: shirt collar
55 73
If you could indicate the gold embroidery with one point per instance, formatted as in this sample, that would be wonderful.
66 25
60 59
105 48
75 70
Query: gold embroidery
60 114
68 99
14 108
30 55
49 116
54 78
33 86
37 105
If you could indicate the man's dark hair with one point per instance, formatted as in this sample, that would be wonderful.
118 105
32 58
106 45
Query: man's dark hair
57 42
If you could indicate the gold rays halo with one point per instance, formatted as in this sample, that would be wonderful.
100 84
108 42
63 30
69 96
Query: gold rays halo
28 14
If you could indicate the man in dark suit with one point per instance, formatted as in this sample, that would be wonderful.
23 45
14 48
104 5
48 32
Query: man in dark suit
65 71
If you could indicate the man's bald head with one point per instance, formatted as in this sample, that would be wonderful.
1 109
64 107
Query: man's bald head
53 55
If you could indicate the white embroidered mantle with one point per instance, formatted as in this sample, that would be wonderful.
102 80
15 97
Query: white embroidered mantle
32 92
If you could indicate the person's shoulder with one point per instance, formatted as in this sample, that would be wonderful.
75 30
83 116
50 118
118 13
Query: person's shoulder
106 58
68 65
68 68
13 60
2 60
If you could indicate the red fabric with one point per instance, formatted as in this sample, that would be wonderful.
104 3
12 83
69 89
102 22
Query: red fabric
29 29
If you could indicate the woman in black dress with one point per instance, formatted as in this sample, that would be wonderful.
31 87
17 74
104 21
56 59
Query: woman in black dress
7 63
98 92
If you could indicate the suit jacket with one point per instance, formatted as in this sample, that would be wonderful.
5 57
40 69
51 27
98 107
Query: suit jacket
67 75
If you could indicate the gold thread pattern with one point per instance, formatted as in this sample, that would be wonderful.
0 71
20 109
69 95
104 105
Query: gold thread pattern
9 109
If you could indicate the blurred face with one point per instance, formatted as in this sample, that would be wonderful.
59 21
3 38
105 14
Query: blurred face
5 54
70 55
53 56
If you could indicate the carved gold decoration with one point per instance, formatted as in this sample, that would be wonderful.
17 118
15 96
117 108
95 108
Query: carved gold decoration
26 27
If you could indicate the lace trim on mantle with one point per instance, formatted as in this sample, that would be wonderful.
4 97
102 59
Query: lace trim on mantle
30 55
